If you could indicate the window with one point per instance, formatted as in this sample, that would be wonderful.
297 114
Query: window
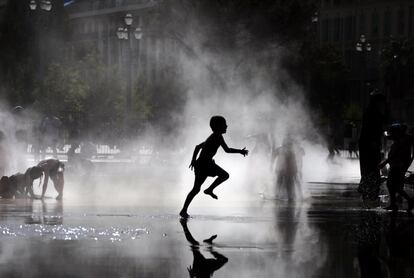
375 24
411 20
362 23
325 30
387 23
349 30
401 22
337 29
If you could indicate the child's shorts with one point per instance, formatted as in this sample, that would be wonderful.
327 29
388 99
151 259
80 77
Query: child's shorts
207 168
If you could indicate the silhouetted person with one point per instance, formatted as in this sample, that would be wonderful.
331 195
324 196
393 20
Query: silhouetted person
49 133
20 185
399 158
204 166
202 267
6 189
287 173
81 161
370 146
54 169
331 138
32 174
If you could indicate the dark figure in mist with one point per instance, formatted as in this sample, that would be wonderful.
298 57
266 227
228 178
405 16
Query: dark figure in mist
81 161
202 267
370 147
332 138
20 185
400 157
288 172
350 139
54 169
204 166
49 132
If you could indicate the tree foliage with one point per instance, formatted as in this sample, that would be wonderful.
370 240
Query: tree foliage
397 63
84 94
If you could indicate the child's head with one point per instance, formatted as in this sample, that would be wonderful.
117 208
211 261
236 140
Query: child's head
218 124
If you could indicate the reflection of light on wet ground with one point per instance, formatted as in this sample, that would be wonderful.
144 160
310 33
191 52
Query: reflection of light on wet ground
328 235
61 232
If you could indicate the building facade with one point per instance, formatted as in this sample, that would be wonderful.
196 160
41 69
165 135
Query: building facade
2 7
94 25
342 22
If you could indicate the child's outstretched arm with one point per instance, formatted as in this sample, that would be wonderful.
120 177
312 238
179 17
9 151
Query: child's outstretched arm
195 153
243 151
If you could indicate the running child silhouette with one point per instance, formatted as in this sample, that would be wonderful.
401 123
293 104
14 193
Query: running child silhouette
204 166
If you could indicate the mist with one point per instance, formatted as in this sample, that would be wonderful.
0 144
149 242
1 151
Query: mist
251 87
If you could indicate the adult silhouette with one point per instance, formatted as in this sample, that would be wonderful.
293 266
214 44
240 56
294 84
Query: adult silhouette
372 129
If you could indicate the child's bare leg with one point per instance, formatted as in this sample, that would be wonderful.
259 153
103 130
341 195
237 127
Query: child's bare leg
199 180
58 182
222 177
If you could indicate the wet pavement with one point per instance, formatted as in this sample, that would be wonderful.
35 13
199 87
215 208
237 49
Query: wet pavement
328 235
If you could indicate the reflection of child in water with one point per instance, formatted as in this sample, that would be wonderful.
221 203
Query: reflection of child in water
288 169
204 166
202 267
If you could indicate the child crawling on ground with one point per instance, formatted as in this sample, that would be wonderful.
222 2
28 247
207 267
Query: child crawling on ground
204 166
20 185
54 169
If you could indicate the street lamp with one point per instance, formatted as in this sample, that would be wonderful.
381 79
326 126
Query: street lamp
128 33
363 47
44 5
40 11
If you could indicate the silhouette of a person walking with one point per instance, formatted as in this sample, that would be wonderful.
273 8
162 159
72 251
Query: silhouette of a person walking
204 166
202 267
400 157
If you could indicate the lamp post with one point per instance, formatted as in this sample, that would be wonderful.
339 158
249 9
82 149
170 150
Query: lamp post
129 33
363 47
44 5
39 9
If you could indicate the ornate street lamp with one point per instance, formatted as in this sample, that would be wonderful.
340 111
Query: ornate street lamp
128 33
44 5
128 19
33 5
362 45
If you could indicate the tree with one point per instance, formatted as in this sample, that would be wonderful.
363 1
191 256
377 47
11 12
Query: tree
397 64
328 75
83 94
28 43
